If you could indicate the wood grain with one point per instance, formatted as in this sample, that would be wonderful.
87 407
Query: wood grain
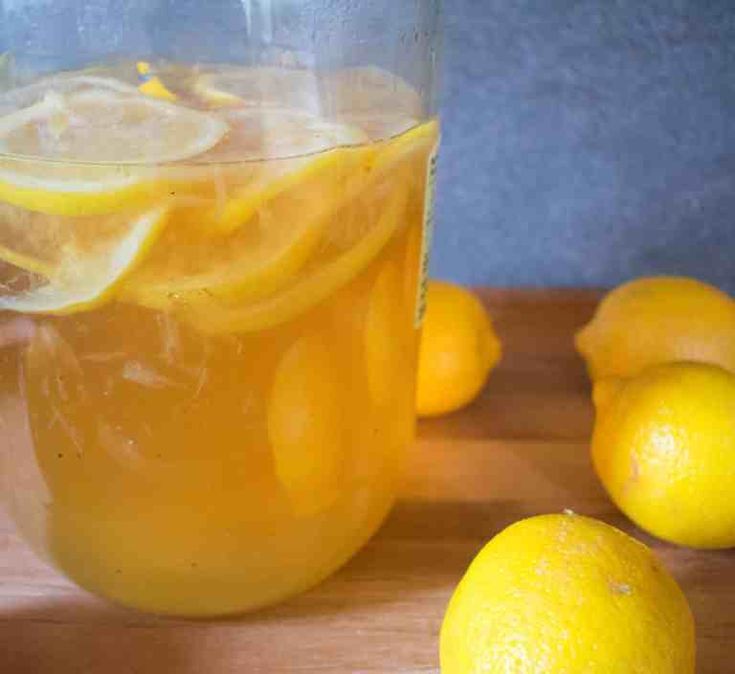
520 449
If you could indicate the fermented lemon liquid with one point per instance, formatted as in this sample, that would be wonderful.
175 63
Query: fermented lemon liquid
209 324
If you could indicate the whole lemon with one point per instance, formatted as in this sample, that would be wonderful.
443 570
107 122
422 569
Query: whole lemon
566 594
664 448
458 349
656 320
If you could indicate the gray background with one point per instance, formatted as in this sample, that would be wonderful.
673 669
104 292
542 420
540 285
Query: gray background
587 141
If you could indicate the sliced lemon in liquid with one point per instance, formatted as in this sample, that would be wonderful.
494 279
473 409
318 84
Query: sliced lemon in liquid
90 258
83 148
305 426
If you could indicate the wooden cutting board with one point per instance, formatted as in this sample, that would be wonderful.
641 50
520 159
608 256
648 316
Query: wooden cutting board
520 450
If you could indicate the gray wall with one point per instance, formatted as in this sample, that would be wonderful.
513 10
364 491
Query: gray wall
587 141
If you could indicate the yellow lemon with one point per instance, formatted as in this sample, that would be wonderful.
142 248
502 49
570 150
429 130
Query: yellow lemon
305 426
458 349
655 320
664 447
564 594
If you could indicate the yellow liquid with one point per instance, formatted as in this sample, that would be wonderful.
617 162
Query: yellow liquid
213 452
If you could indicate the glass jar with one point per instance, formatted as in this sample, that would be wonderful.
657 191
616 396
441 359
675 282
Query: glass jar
213 231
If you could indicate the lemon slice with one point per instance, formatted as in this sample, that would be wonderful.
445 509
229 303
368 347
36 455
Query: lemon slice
267 229
305 426
105 124
82 147
91 258
72 190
